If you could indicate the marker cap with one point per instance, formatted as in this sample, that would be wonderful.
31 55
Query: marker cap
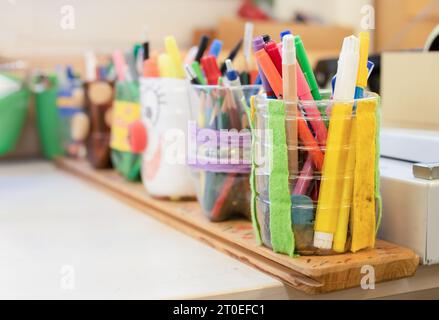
284 33
266 37
211 69
323 240
347 69
288 49
258 44
231 74
215 48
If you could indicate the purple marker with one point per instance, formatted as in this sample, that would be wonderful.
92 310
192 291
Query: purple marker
258 44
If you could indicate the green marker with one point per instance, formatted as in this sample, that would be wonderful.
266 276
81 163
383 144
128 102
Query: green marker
302 58
197 69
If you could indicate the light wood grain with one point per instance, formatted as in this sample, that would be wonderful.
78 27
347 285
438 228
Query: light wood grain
312 275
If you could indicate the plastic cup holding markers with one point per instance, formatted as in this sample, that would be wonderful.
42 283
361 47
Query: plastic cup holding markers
310 190
126 158
219 150
165 115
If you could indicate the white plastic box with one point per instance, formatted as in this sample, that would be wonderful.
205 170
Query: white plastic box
410 210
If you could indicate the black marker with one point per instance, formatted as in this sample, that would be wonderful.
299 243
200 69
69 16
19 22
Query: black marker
231 56
204 41
266 38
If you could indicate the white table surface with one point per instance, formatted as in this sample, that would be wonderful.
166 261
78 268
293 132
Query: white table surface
52 223
61 238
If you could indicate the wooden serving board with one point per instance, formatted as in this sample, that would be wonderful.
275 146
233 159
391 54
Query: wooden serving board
312 275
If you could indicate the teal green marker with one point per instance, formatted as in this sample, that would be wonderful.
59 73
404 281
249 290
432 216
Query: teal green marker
302 58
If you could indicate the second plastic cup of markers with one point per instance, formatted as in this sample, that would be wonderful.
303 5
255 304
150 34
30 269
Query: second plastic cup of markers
219 150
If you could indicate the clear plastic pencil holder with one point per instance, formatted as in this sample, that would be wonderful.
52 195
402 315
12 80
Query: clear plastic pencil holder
315 174
220 149
165 114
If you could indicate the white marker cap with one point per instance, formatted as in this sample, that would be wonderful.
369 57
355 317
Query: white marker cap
288 49
323 240
347 69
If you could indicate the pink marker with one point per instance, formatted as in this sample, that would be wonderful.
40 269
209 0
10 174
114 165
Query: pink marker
305 178
312 112
315 118
120 65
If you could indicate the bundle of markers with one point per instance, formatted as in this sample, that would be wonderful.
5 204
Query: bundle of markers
221 165
125 157
323 186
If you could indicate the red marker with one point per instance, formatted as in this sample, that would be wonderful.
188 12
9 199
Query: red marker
273 51
211 70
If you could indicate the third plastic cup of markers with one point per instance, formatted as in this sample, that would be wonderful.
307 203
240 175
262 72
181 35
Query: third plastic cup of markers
165 115
219 150
311 187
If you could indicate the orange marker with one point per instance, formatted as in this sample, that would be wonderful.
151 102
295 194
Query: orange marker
308 140
150 68
270 72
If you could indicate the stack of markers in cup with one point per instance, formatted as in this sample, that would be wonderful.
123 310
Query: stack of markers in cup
220 149
322 177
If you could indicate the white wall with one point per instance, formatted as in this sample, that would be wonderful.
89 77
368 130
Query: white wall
33 26
342 12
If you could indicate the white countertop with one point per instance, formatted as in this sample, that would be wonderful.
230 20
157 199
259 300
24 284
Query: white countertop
52 223
62 238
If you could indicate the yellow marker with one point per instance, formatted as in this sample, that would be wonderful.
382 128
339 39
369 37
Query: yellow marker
333 172
166 67
364 56
363 219
334 165
346 196
174 54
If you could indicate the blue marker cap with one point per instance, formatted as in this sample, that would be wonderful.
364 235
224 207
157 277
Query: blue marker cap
215 47
258 79
70 73
284 33
231 73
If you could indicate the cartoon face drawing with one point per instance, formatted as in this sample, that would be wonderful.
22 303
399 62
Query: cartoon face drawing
153 100
165 110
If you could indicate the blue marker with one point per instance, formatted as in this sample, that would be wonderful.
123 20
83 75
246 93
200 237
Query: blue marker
215 48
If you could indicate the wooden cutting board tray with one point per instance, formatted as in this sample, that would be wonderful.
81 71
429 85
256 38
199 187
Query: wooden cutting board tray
313 275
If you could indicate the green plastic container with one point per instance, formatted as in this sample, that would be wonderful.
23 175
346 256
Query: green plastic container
127 163
48 120
13 111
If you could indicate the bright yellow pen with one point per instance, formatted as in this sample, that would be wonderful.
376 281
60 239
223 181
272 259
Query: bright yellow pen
347 190
166 67
174 54
334 164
